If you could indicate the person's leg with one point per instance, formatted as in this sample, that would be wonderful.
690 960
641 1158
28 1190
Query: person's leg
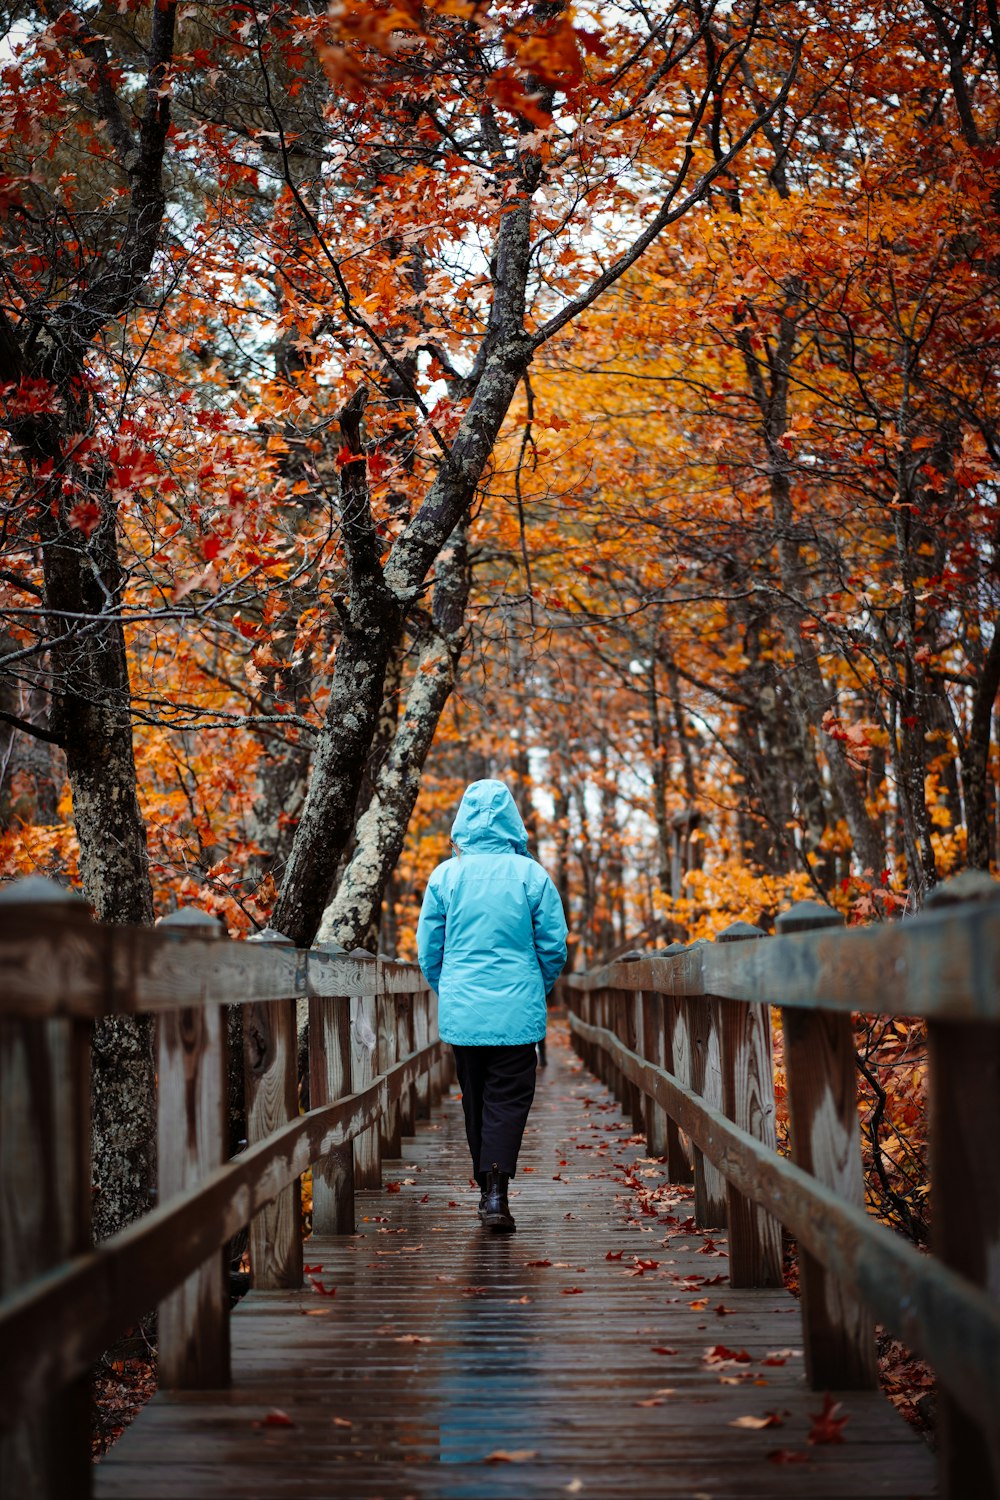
508 1089
470 1065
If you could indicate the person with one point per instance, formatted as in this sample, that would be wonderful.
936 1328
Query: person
491 940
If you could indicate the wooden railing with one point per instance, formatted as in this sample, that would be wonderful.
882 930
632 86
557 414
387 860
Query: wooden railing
375 1063
683 1037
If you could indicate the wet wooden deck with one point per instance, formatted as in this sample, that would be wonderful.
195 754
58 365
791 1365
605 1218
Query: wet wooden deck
598 1352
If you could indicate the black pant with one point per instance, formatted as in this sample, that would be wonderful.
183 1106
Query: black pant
498 1085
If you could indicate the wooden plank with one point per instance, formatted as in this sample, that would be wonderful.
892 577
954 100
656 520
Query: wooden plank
421 1036
629 1003
364 1043
55 1326
270 1038
706 1079
386 1057
677 1060
403 1005
652 1046
193 1321
45 1206
952 1324
945 962
755 1257
965 1222
329 1080
825 1140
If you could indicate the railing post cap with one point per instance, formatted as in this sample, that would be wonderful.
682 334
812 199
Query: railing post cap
805 916
737 932
674 948
193 918
361 953
38 890
333 949
270 935
970 885
632 956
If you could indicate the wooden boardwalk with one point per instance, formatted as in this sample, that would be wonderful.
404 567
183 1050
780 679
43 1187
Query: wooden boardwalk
597 1352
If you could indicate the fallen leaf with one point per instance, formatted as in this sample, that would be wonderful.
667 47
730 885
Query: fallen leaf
723 1311
538 1263
411 1338
572 1291
342 1422
509 1456
786 1456
662 1349
654 1401
699 1304
720 1355
755 1423
827 1426
278 1418
614 1255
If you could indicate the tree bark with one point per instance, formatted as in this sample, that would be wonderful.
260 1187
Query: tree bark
352 914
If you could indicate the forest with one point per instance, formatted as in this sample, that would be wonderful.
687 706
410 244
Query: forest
600 398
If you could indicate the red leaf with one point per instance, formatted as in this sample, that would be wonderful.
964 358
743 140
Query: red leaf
84 516
210 548
538 1263
614 1255
786 1456
572 1291
827 1425
662 1349
278 1418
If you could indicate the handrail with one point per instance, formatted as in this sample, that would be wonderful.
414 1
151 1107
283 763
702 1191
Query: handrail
375 1065
684 1039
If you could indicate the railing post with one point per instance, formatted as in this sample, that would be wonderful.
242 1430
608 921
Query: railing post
964 1060
387 1055
821 1072
404 1050
631 1024
421 1039
677 1060
364 1067
329 1080
45 1205
748 1093
652 1045
193 1322
704 1029
436 1077
270 1047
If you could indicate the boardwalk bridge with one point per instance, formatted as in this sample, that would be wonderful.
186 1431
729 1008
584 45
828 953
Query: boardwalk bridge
633 1338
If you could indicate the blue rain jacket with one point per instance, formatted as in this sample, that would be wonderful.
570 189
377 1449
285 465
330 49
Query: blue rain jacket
492 936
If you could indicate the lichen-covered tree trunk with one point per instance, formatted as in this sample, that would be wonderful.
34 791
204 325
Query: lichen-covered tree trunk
92 718
351 917
83 582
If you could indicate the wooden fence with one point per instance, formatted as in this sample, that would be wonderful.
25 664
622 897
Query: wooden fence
683 1037
375 1063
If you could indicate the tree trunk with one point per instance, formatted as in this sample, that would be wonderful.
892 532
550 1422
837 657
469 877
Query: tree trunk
381 830
975 760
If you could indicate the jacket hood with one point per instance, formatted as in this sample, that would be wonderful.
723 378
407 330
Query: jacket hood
488 819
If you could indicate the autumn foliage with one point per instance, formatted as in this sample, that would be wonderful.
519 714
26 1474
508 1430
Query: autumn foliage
603 400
